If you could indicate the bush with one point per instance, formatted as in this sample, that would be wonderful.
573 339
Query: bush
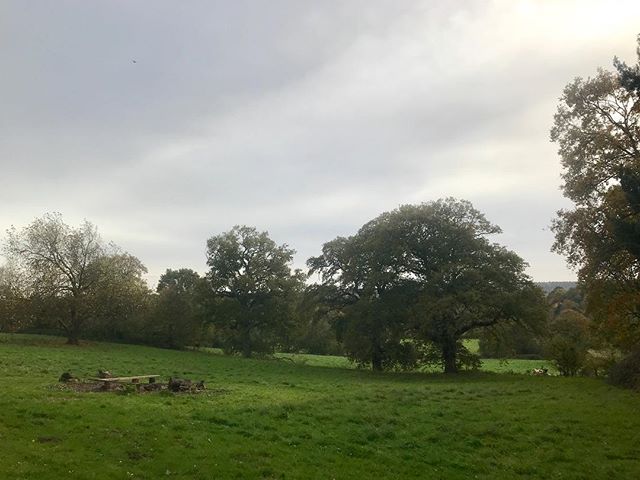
509 341
315 336
626 372
569 342
567 355
597 363
431 356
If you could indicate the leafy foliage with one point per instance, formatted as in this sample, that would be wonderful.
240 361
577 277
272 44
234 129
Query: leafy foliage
597 129
626 372
569 342
426 273
629 75
73 275
369 301
510 341
177 314
254 289
313 330
465 282
14 304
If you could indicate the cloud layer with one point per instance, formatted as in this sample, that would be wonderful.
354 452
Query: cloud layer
302 118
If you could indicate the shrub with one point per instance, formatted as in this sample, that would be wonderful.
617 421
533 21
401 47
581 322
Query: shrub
569 342
509 341
431 356
626 372
567 355
598 362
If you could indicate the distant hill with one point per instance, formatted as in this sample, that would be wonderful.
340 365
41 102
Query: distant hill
549 286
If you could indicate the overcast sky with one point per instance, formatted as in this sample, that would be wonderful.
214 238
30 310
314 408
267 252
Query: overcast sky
165 123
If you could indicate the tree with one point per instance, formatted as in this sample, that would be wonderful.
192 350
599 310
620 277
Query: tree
374 330
254 288
464 282
629 75
569 341
14 299
67 266
510 341
313 325
369 300
119 298
177 315
597 129
427 273
183 280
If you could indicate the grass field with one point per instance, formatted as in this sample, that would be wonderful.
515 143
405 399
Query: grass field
290 419
488 364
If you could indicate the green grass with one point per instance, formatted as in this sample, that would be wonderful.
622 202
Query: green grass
488 364
282 419
472 344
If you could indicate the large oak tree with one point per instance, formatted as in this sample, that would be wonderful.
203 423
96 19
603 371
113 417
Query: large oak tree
427 273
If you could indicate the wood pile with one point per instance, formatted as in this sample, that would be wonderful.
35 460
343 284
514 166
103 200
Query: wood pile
106 382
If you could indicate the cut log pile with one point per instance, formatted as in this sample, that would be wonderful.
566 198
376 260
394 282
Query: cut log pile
184 385
106 382
66 377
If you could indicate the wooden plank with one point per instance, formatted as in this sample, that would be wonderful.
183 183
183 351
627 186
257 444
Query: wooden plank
124 379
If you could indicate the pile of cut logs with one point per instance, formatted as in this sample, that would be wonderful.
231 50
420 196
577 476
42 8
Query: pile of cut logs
105 381
184 385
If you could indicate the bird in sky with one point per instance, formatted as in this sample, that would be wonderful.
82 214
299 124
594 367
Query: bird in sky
134 61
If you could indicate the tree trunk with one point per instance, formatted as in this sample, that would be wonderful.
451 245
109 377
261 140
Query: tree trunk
376 358
246 344
73 332
449 348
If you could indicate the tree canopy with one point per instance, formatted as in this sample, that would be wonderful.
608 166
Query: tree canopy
426 273
74 267
252 281
178 309
597 129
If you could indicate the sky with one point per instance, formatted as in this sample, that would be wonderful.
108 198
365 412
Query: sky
167 122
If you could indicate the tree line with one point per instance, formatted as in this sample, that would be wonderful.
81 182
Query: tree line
401 292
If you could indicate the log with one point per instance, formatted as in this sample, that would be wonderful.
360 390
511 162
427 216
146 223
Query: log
67 377
179 384
133 379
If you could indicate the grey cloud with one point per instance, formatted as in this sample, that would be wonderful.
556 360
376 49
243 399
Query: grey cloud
303 118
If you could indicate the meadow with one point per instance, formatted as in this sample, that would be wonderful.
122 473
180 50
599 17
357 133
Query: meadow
300 418
513 365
